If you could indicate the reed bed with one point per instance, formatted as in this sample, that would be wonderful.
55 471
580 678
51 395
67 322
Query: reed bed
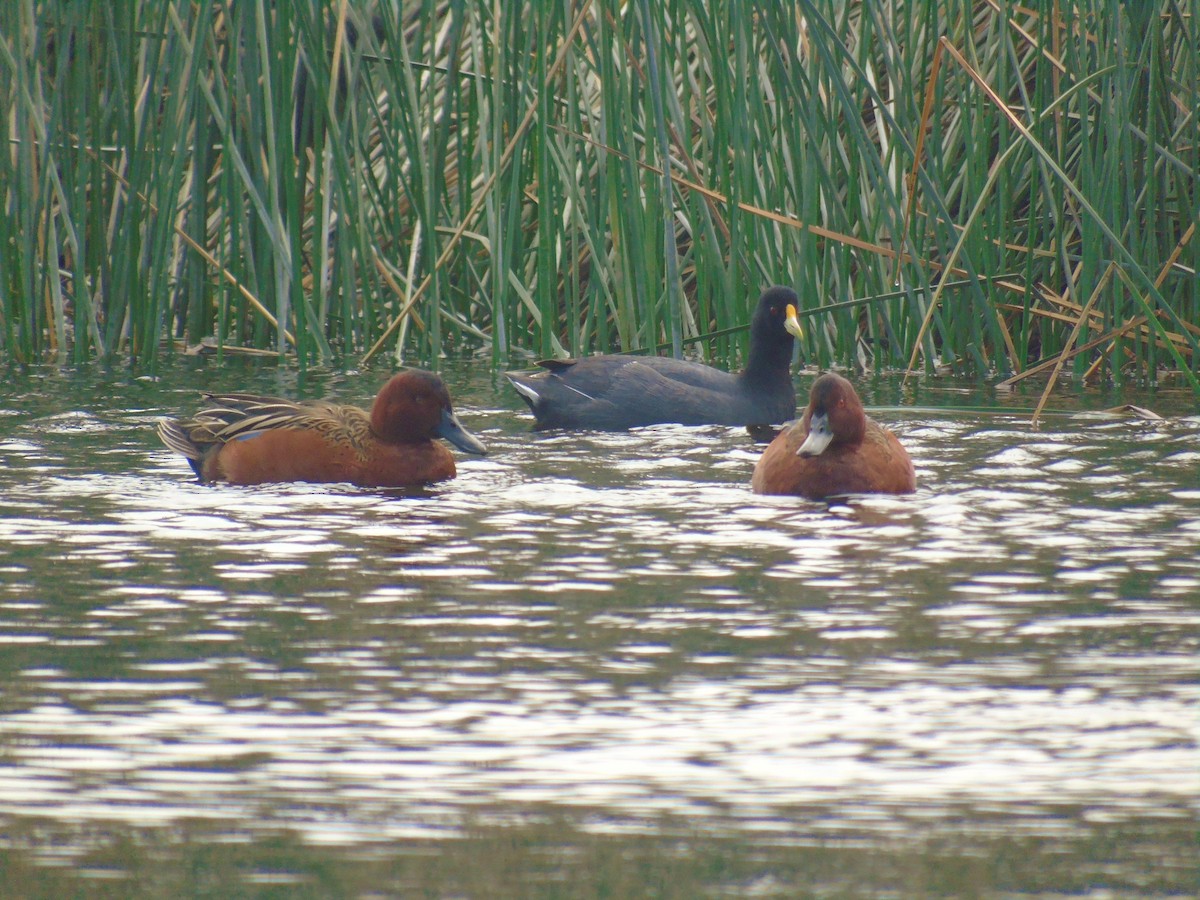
976 187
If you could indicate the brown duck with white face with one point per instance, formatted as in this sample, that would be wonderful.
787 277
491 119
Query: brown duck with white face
834 449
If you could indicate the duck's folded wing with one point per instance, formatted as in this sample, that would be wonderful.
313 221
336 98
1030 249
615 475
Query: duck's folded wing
889 462
234 416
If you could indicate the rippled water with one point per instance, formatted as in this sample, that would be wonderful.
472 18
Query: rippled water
597 661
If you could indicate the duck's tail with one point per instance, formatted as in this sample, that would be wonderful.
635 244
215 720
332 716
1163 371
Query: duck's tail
178 438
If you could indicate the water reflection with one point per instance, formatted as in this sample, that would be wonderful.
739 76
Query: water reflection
610 627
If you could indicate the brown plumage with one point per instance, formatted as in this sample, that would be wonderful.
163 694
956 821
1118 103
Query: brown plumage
248 439
834 449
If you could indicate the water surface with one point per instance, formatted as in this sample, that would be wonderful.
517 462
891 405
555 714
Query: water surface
596 663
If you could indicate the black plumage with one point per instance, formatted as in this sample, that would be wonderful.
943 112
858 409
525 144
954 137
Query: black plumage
613 392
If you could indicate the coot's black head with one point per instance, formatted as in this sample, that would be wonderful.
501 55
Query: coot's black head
775 317
773 329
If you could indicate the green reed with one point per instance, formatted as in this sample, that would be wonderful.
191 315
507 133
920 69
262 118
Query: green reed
520 180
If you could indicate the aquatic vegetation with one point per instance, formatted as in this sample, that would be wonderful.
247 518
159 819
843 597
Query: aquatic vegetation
968 186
